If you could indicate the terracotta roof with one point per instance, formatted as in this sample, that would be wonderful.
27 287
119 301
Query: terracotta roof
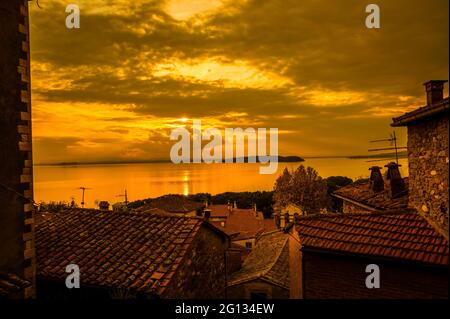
132 250
218 210
245 223
400 235
11 284
424 112
172 204
268 261
360 192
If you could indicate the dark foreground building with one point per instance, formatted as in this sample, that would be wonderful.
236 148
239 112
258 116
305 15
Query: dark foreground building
336 249
130 255
17 260
265 272
400 225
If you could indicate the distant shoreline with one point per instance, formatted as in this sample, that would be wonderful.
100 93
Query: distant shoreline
281 159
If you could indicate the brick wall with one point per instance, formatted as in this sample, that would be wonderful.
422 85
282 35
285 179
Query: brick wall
202 271
16 190
428 169
328 276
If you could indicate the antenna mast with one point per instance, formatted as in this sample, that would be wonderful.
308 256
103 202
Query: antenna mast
126 197
393 141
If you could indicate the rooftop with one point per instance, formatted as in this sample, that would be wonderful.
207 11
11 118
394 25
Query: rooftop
268 261
360 193
242 221
422 113
132 250
219 210
401 235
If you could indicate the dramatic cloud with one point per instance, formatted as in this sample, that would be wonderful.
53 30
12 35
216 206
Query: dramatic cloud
114 88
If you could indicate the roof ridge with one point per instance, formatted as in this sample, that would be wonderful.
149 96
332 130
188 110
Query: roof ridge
405 211
157 212
369 236
379 223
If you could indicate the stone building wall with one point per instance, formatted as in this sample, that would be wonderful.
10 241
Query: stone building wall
329 276
202 273
16 190
428 169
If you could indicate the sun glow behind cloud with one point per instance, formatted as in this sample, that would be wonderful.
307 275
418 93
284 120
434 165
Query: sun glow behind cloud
237 74
186 9
136 69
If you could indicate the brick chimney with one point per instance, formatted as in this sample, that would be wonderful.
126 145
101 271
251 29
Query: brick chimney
435 91
397 183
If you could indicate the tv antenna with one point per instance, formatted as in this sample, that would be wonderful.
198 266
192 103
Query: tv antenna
393 143
82 196
125 195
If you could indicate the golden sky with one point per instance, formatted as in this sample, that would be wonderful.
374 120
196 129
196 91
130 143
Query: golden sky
114 89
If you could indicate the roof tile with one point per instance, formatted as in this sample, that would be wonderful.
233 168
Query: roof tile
126 249
401 234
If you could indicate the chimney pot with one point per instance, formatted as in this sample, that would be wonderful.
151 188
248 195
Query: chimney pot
435 91
376 179
396 181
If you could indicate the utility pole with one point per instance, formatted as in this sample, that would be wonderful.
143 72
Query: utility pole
125 195
83 189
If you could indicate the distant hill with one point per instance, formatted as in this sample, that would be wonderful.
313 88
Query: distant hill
281 159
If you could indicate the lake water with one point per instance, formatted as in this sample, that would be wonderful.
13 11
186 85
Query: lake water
106 182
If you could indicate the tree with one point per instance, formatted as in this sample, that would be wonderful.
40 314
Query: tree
54 207
334 183
309 190
282 190
304 187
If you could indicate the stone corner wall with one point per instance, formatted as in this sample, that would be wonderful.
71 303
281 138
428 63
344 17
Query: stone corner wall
202 274
17 254
428 169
